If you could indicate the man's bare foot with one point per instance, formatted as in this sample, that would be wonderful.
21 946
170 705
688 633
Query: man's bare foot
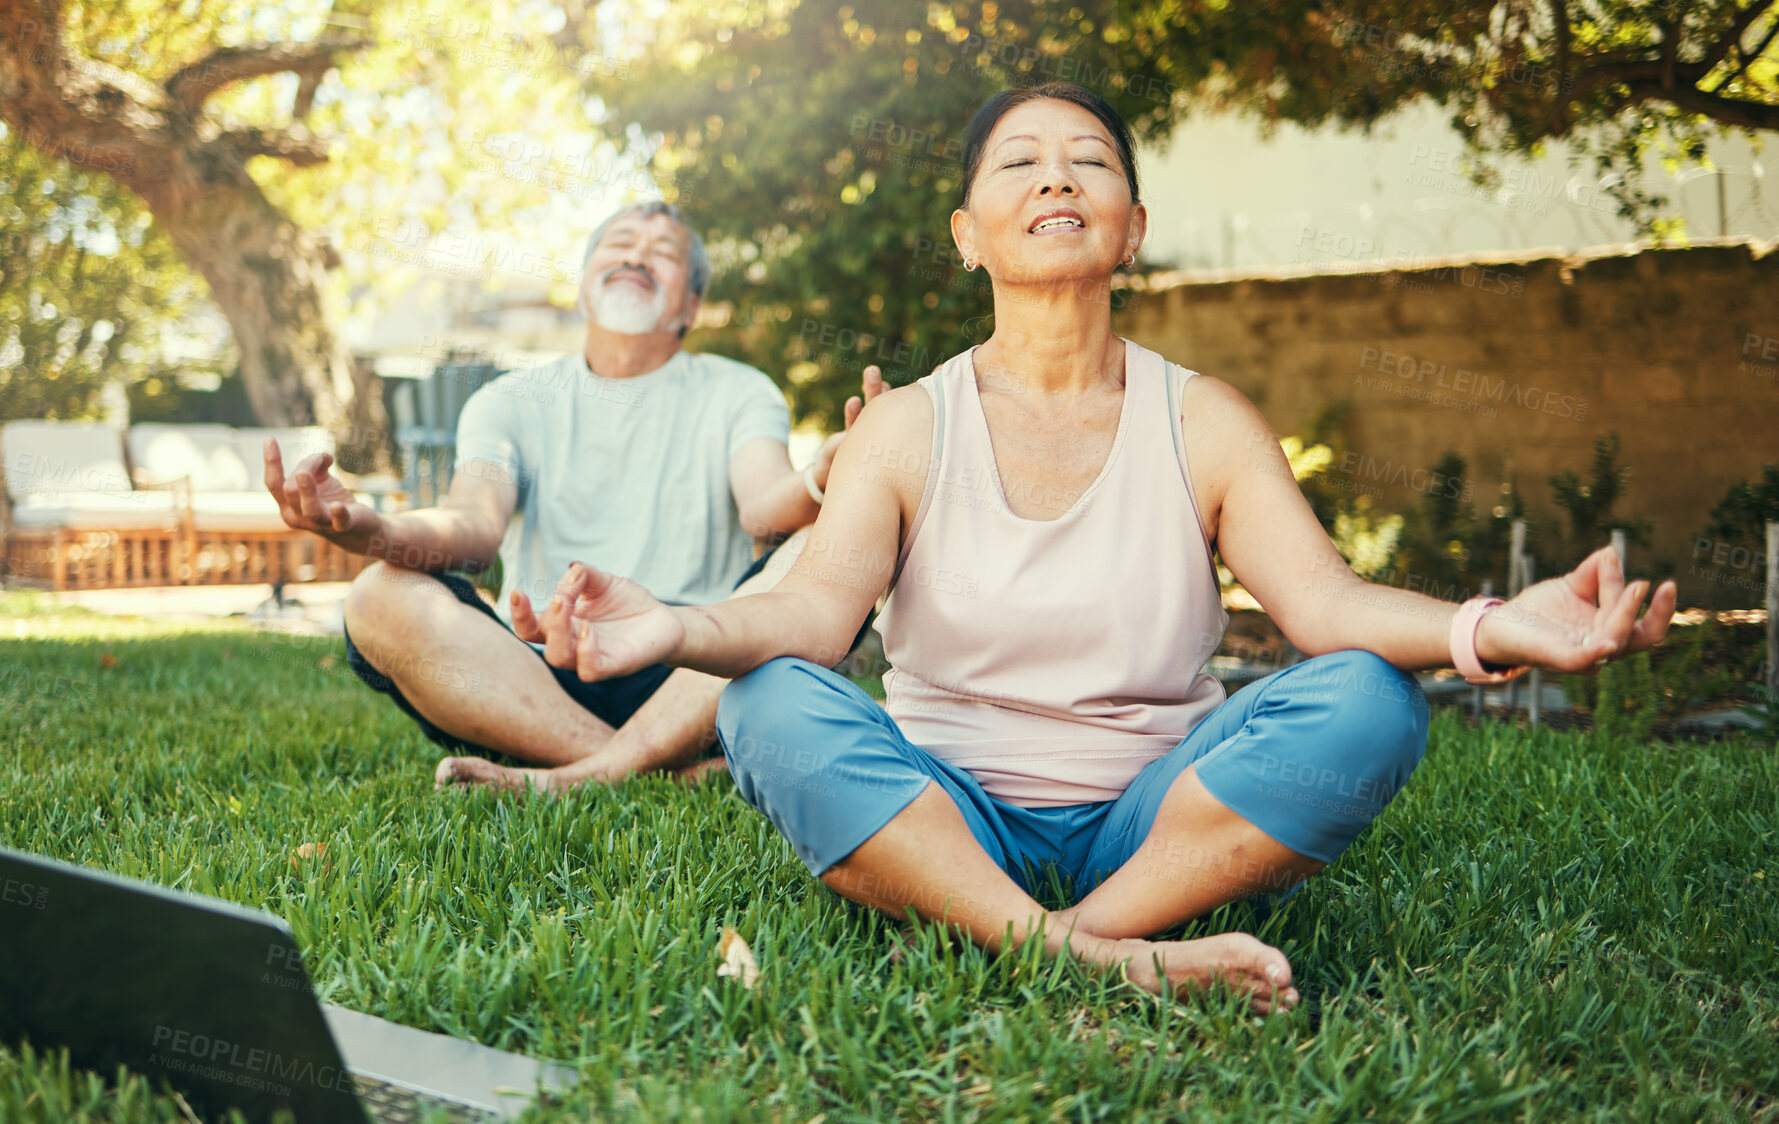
1248 966
702 770
462 772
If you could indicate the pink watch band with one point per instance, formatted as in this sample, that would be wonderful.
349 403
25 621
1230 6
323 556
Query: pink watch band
1463 643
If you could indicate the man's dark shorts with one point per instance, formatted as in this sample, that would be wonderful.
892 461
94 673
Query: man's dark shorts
612 701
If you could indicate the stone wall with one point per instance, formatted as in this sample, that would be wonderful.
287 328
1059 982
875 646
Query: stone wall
1518 364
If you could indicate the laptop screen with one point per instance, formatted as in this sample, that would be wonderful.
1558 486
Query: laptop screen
210 996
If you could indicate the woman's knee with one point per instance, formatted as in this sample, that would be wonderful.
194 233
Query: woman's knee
1339 737
753 692
1378 705
759 708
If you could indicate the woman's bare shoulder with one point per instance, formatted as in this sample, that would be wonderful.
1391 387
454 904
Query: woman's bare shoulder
901 417
911 401
891 443
1219 422
1216 400
1224 435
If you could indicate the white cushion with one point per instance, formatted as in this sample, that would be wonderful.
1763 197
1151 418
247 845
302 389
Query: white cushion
96 511
241 511
208 454
295 444
48 457
236 511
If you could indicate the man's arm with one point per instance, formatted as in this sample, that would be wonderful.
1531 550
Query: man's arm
464 531
772 497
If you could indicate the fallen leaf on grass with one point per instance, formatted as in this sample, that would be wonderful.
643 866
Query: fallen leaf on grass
326 662
107 661
738 959
309 851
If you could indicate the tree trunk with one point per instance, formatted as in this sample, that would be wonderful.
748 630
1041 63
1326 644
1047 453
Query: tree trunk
155 139
367 445
265 275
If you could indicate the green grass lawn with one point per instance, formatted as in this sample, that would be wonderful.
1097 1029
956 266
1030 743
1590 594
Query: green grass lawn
1540 927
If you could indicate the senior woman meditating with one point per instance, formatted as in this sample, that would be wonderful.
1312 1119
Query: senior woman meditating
1042 509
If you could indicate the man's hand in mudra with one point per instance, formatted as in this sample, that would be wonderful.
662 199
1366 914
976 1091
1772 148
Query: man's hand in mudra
1577 621
599 624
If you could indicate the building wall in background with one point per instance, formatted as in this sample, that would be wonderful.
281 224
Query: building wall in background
1517 365
1223 195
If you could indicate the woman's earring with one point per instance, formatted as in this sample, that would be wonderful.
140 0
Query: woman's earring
1129 259
969 266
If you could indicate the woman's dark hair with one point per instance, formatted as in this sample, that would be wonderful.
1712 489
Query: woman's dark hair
983 124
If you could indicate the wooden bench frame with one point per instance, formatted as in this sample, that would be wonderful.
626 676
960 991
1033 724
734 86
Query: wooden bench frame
70 558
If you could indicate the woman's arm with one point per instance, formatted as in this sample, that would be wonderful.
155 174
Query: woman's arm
816 608
1274 545
605 625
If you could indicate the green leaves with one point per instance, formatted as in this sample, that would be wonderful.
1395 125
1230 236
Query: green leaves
87 285
820 145
821 151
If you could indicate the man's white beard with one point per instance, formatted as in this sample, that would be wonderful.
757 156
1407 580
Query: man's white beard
623 309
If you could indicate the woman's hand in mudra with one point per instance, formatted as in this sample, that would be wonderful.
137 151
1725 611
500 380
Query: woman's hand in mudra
599 624
1577 621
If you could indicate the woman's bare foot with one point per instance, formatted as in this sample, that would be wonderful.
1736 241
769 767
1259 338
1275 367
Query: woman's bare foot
462 772
1248 966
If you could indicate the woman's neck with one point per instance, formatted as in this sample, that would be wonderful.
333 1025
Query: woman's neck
1054 341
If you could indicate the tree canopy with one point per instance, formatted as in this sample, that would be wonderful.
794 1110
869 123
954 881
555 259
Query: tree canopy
271 145
820 144
817 144
87 284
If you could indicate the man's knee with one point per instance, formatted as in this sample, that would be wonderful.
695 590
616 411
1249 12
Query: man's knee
385 600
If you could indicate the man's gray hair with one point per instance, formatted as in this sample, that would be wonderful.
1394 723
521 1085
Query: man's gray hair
698 264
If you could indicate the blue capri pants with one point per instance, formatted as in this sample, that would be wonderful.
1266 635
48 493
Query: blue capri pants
1310 755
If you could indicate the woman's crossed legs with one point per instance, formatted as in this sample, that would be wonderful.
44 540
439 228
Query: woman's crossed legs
1264 792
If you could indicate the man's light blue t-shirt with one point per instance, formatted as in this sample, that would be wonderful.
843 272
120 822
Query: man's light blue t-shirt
629 475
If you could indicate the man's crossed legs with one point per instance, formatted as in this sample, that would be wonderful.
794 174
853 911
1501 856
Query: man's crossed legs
442 655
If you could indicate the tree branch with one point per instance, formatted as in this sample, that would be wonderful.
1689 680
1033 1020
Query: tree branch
1739 24
30 35
1728 111
305 98
91 114
1559 102
1748 57
1596 74
296 145
191 86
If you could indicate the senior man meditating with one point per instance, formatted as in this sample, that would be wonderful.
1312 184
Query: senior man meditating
661 463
